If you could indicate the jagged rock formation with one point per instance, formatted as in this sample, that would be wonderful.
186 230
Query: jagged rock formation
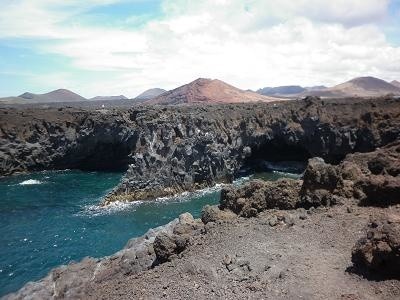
257 196
370 179
281 205
173 149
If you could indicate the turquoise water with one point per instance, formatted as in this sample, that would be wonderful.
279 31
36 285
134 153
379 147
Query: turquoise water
51 218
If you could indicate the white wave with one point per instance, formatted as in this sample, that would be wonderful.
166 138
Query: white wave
117 206
287 174
30 182
187 196
98 210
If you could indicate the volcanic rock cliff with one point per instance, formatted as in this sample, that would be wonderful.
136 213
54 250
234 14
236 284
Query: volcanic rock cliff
286 239
167 150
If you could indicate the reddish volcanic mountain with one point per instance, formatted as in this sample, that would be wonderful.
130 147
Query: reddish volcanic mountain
359 87
395 83
366 86
207 91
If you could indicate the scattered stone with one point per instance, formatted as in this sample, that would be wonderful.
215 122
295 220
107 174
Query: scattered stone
289 219
273 220
311 210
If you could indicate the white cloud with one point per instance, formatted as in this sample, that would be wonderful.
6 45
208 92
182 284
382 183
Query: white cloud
250 44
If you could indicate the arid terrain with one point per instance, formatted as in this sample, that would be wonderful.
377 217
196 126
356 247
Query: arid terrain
250 259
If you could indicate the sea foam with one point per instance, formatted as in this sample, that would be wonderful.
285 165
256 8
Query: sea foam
99 210
30 182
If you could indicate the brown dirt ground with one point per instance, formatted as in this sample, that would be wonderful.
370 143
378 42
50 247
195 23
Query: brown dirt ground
309 260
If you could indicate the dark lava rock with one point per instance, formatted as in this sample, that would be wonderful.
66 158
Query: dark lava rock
378 182
320 180
167 150
257 195
379 251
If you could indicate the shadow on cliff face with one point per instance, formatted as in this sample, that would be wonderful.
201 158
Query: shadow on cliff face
291 158
112 155
106 157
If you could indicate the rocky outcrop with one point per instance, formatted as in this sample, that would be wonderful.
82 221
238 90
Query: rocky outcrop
212 213
369 179
167 244
323 184
167 150
257 196
320 183
379 251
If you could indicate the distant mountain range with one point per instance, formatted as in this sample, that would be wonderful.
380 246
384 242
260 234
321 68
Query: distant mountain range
281 90
108 98
149 94
357 87
395 83
60 95
364 87
216 91
207 91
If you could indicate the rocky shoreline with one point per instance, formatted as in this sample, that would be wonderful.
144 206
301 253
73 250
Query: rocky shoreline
168 150
363 188
325 235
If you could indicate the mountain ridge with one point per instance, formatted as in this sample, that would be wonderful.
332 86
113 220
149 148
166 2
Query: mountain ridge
149 94
107 98
209 91
395 83
56 96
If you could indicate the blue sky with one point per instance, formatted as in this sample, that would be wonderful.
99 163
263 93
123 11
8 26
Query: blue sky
112 47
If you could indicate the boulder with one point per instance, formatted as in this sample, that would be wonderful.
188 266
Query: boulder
212 213
378 251
320 182
166 245
257 195
188 225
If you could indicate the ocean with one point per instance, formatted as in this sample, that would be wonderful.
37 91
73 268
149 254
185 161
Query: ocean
52 218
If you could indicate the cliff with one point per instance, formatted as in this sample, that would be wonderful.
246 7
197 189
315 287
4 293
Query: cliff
166 150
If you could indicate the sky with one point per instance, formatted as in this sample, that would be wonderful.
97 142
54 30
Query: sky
113 47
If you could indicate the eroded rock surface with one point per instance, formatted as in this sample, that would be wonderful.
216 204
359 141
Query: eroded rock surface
167 150
258 195
369 179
